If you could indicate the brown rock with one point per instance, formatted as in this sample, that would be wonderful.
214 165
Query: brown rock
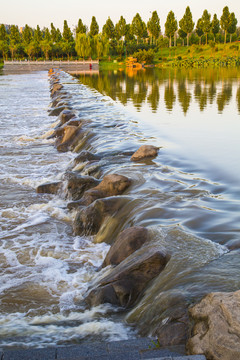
55 88
111 185
49 188
85 156
69 137
216 332
66 115
145 151
57 110
127 281
88 220
78 184
128 241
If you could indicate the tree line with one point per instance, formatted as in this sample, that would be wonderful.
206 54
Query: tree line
116 40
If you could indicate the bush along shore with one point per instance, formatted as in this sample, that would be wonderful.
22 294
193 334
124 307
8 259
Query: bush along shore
132 259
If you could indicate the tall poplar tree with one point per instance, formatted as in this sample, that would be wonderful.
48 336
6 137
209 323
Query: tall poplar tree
153 26
81 29
199 30
109 29
170 26
138 27
120 28
206 23
3 41
94 28
186 23
215 26
232 26
15 39
225 21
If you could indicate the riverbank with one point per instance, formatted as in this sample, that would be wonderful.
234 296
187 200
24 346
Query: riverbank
198 56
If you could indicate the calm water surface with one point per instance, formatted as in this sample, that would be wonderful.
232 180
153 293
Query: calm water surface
189 198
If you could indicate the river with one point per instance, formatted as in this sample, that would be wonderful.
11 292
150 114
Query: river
189 197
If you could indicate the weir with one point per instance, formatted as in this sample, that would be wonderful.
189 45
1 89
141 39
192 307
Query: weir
68 66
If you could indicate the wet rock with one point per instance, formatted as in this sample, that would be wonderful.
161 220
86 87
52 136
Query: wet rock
56 87
88 220
111 185
129 279
85 156
58 100
216 332
56 111
66 115
78 184
128 241
49 188
174 329
68 138
144 152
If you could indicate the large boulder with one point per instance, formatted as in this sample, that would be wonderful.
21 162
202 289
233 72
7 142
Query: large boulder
78 184
50 188
66 115
144 152
88 220
111 185
128 241
216 332
69 137
123 286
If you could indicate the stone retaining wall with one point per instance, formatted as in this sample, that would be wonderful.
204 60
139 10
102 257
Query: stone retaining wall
68 66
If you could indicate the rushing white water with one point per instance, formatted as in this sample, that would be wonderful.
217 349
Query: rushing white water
44 270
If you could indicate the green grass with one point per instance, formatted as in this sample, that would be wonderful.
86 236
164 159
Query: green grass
197 55
111 65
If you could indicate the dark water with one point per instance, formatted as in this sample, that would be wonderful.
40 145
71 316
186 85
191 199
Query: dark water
188 197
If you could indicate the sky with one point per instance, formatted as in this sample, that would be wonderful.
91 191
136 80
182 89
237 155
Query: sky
43 12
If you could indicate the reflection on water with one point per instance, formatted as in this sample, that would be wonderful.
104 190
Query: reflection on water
207 86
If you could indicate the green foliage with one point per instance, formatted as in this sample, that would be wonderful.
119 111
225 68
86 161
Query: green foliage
27 35
145 56
94 28
206 23
109 29
153 25
170 26
138 27
81 29
120 28
215 26
186 23
67 34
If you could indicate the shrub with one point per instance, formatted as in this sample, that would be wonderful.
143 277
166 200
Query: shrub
146 56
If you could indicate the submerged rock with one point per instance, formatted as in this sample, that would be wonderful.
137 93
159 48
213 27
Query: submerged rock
49 188
85 156
128 241
145 151
129 279
57 110
216 332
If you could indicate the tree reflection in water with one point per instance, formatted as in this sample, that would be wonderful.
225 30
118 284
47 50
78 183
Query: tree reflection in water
182 86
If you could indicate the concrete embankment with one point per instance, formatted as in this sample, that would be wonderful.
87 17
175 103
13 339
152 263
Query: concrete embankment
68 66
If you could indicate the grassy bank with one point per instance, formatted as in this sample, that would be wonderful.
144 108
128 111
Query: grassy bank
219 55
